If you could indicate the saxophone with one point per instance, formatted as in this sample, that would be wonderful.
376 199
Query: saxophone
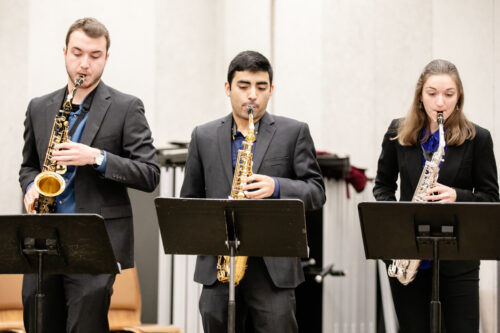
49 183
243 169
405 270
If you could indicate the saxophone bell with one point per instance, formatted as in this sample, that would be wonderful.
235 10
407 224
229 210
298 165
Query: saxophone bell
49 183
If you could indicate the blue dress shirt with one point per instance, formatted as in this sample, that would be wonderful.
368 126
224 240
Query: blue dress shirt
237 144
66 200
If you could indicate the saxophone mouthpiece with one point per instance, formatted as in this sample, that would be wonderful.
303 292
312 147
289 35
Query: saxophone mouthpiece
440 118
250 109
79 80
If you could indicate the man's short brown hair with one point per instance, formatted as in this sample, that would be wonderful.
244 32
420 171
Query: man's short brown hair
91 27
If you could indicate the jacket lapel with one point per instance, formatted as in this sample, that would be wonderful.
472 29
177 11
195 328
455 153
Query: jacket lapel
267 129
452 161
224 144
413 161
448 170
98 110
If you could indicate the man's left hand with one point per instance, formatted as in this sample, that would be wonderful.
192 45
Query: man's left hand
73 153
263 186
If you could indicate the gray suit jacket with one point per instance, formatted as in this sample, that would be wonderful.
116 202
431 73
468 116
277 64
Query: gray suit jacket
116 124
283 149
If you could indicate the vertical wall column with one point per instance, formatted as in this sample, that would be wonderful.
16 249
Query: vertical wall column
14 43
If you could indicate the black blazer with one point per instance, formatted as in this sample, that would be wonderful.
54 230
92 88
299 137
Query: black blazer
283 149
470 169
116 124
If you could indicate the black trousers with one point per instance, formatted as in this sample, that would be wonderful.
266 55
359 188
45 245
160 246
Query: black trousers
260 306
75 303
459 296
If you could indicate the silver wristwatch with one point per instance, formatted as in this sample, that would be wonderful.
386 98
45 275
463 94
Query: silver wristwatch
98 160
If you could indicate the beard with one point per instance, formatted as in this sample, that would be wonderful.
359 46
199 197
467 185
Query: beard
86 83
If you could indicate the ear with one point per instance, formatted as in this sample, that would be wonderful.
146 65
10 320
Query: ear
271 90
64 50
227 87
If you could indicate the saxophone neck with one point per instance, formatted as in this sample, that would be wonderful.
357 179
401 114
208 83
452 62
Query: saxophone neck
440 118
442 139
251 126
67 106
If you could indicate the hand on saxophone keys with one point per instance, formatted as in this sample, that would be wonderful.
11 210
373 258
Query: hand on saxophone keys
74 153
258 186
441 193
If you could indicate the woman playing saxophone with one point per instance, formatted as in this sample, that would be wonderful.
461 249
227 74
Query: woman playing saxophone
467 172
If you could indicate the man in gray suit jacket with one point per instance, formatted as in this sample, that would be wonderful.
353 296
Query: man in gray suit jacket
284 166
110 149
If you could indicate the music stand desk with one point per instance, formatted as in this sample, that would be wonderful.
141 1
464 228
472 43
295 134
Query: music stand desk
54 244
259 228
437 231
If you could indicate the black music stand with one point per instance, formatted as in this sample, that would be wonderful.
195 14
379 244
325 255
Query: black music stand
54 244
451 231
271 228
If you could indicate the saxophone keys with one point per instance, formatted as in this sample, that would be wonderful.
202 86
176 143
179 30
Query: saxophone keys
391 270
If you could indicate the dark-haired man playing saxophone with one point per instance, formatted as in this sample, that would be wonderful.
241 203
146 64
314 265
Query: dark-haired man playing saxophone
110 149
284 166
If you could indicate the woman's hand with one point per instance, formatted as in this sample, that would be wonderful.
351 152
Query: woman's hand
441 193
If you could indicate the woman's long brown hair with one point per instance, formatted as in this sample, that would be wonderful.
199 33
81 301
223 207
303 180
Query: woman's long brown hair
457 127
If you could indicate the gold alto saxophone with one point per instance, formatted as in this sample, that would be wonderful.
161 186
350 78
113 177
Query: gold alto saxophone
243 169
49 183
405 270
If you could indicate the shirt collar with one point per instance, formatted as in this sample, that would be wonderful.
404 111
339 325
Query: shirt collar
234 130
430 145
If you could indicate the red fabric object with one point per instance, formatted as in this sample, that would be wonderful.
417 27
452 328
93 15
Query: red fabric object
338 168
323 153
357 179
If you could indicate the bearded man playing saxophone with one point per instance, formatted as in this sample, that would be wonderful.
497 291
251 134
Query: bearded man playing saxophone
110 149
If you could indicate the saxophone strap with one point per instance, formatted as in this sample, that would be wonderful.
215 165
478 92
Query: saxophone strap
84 109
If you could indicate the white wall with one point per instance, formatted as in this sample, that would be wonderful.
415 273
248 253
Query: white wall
196 40
347 67
13 98
131 65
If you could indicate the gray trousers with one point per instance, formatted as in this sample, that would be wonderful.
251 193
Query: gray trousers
260 306
75 303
